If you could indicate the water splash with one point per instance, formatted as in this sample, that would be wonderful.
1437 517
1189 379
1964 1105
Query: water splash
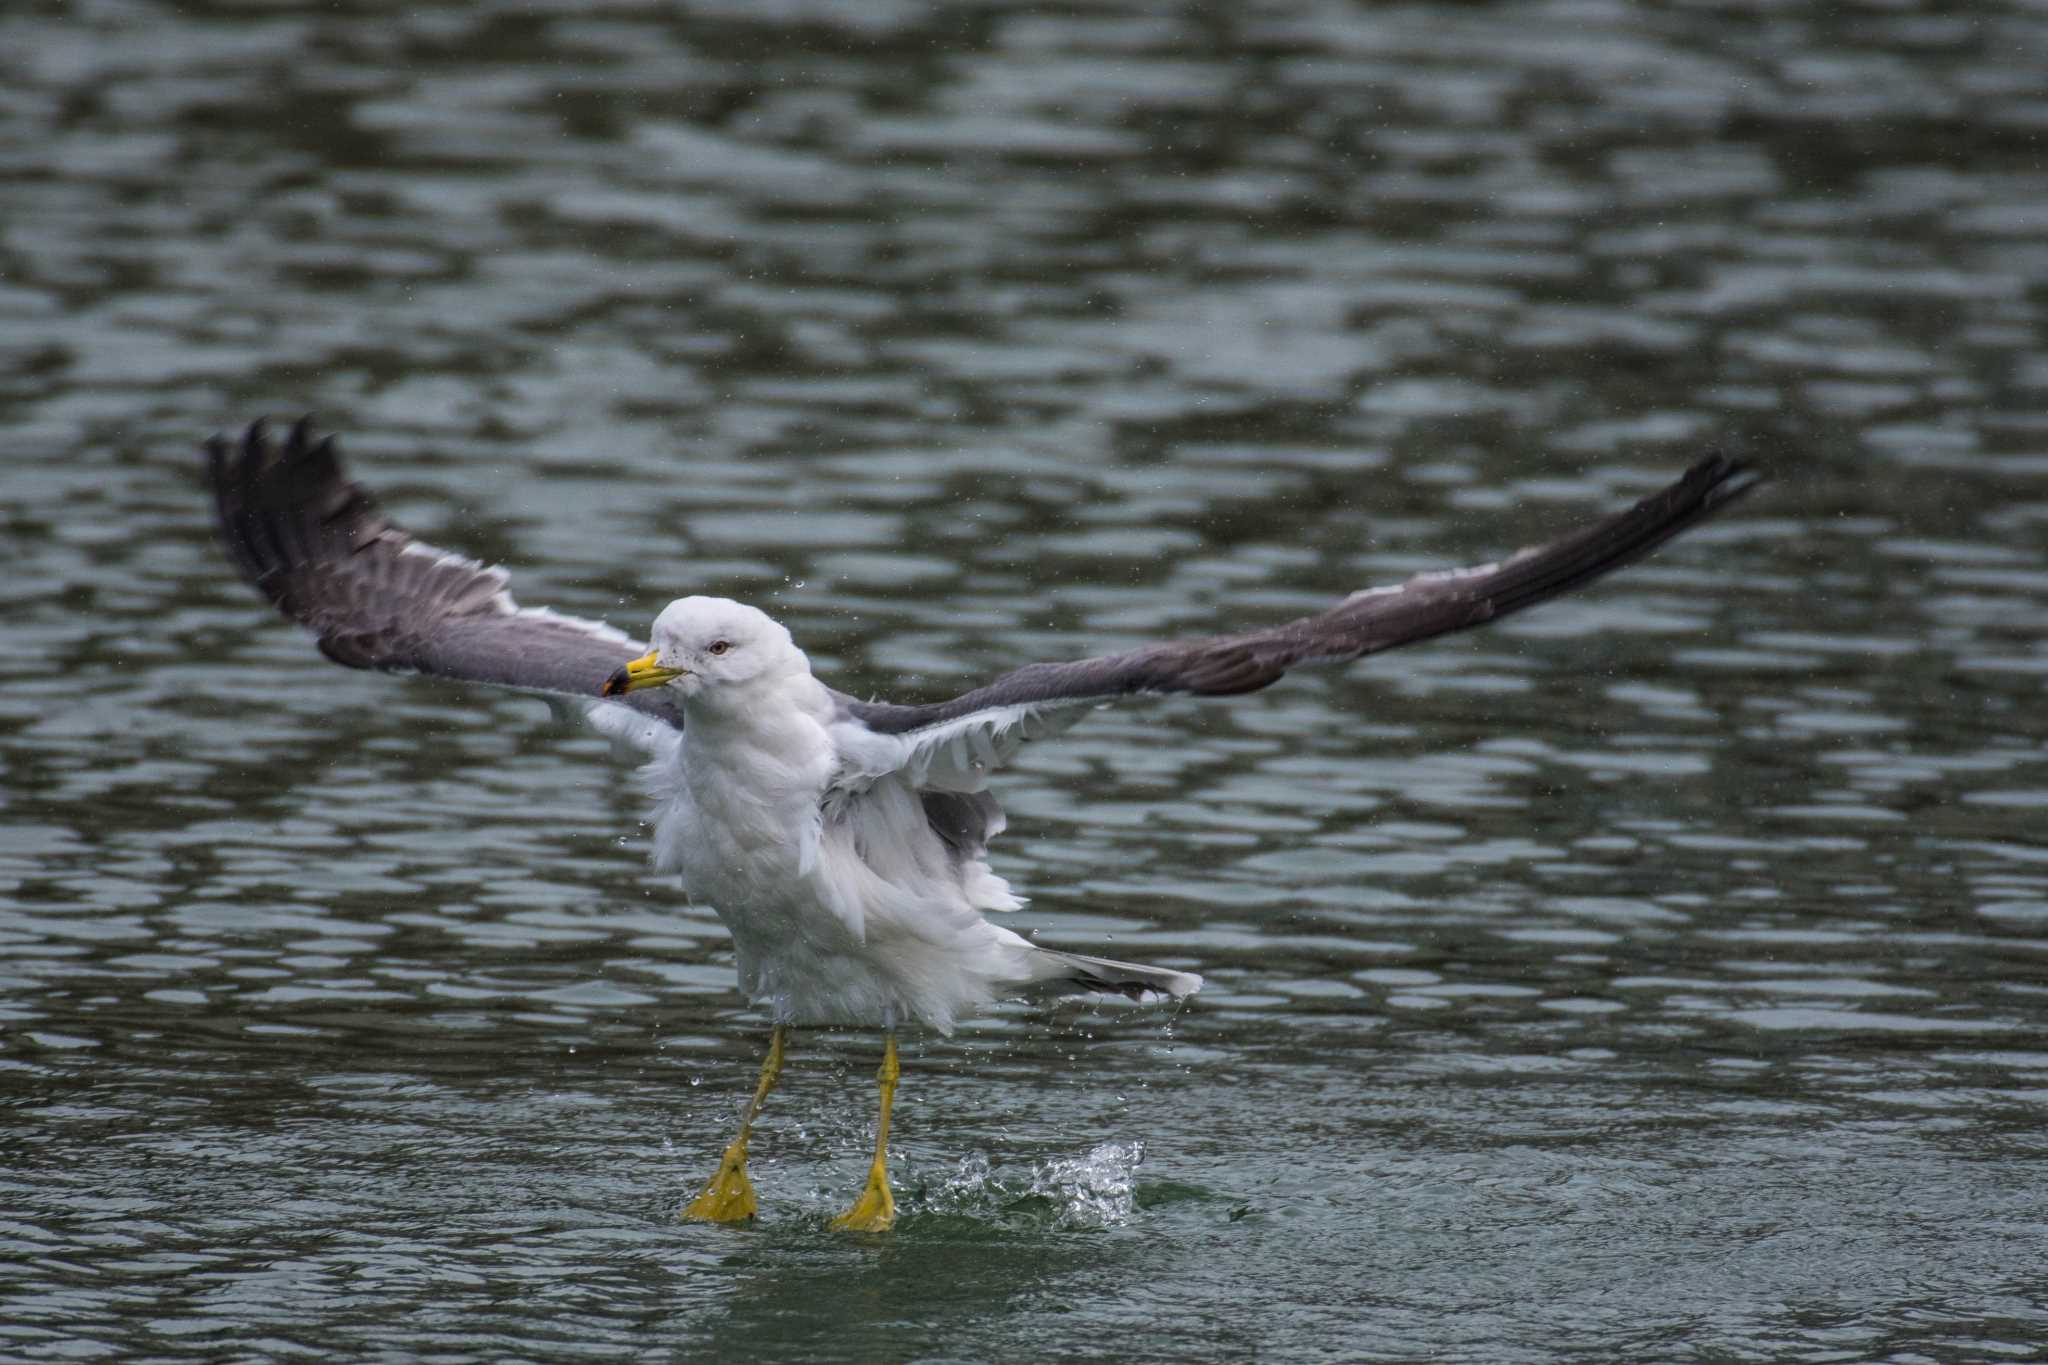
967 1188
1095 1189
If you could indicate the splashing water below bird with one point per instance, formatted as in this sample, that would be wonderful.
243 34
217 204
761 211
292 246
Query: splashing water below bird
1097 1188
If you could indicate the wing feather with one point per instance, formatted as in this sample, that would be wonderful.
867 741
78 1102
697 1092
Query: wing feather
950 745
321 550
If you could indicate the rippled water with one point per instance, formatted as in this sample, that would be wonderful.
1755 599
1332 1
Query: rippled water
1661 975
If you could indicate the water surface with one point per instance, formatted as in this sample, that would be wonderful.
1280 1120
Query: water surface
1660 975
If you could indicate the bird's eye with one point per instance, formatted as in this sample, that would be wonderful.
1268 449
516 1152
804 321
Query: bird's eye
720 646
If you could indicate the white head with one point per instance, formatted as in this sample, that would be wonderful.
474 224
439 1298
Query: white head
704 645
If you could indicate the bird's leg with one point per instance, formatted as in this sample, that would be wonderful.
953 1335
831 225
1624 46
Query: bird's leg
728 1197
875 1210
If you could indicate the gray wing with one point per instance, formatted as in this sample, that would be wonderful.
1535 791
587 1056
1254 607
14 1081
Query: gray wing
951 745
317 546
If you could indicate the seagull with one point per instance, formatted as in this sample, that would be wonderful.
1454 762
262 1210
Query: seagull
843 843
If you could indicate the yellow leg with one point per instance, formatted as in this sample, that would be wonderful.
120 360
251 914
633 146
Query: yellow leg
875 1210
728 1197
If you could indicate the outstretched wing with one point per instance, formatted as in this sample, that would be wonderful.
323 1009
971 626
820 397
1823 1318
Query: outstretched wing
951 745
317 546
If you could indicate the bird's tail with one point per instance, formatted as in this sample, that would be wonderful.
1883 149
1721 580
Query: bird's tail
1071 974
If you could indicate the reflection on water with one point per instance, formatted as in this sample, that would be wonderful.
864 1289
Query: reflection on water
1657 975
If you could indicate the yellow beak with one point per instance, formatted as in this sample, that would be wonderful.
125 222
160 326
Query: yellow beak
642 672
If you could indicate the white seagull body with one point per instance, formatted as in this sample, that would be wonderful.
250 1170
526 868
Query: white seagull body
842 842
802 828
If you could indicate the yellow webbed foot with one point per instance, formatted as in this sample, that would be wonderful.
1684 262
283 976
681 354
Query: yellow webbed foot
874 1211
728 1197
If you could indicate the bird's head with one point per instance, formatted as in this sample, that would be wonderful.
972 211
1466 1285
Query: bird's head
706 643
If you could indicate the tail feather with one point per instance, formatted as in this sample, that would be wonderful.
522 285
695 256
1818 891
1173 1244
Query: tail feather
1073 974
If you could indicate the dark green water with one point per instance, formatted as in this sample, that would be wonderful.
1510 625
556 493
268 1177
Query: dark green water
1663 975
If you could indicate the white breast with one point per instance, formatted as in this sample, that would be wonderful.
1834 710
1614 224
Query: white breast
738 808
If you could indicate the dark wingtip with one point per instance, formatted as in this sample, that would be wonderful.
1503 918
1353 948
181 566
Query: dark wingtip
282 502
1722 477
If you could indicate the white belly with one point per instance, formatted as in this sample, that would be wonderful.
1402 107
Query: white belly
821 937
